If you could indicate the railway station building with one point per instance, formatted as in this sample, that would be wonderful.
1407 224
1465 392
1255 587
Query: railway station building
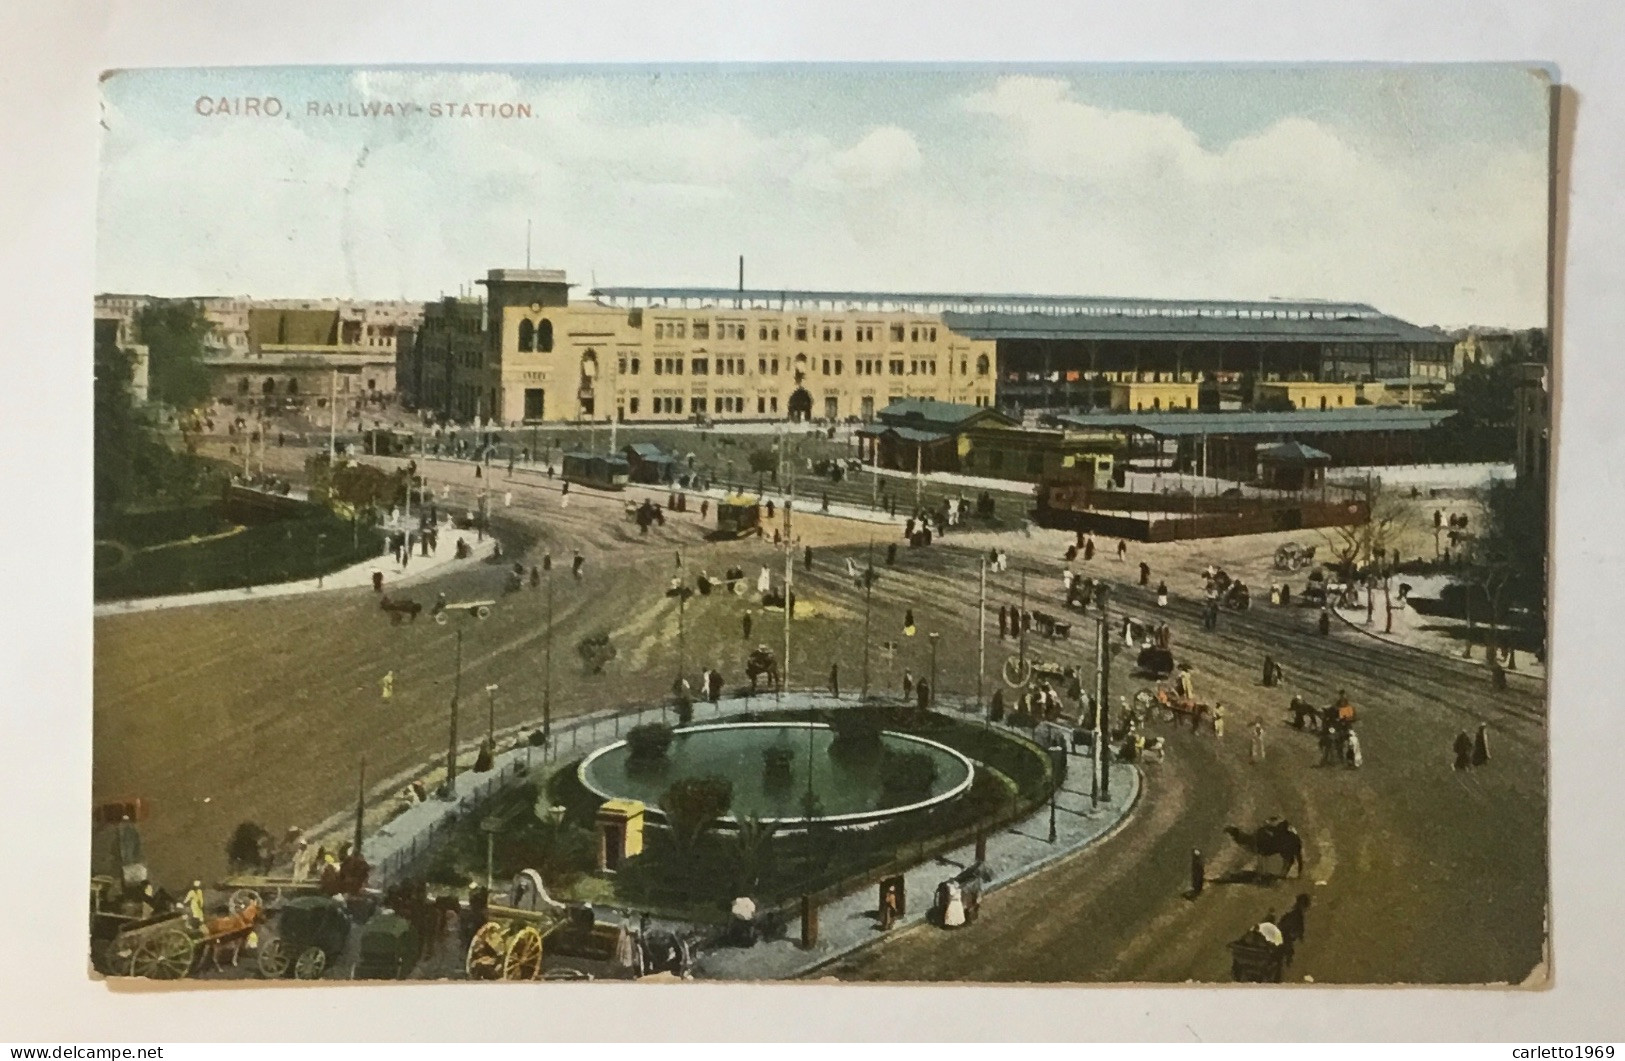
529 353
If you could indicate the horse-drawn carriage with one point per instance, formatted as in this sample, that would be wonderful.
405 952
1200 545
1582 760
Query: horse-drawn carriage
1170 705
1255 960
761 663
164 944
1294 557
443 608
1155 642
1323 591
389 948
311 933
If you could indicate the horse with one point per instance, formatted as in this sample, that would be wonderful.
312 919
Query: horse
1277 840
221 934
398 609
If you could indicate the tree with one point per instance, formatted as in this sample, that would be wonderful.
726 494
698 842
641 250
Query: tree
116 432
174 332
1507 561
692 806
131 461
1388 517
762 461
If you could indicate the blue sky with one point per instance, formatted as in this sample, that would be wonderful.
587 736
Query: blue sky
1422 190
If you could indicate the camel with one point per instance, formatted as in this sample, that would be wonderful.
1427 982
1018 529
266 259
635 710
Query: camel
1272 840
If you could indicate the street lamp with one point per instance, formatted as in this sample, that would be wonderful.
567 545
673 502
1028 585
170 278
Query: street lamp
491 720
931 700
449 792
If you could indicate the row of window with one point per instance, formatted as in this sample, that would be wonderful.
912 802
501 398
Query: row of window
725 404
863 333
736 366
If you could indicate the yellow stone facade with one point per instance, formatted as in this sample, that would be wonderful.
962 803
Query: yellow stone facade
1308 394
554 360
1135 396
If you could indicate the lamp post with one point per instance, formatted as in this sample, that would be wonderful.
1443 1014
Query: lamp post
931 700
547 656
451 748
449 792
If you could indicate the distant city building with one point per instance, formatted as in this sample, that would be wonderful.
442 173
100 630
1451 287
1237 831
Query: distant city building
292 353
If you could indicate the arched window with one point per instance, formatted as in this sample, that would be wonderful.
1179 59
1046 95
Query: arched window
527 336
544 336
268 387
982 365
293 385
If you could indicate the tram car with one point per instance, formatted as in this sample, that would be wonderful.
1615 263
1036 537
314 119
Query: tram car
738 517
597 471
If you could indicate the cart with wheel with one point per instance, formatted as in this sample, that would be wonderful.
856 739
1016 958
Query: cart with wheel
310 933
389 949
1256 961
1172 706
509 945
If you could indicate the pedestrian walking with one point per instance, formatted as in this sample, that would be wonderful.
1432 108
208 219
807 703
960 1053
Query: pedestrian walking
1198 873
1004 621
705 506
1328 745
835 680
577 564
395 547
1162 594
1145 573
908 684
1352 746
764 582
922 695
1325 622
744 625
1258 742
1218 720
1089 549
714 685
377 581
1481 745
1122 550
806 558
1210 615
891 554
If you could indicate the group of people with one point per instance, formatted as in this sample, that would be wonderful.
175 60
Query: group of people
1472 751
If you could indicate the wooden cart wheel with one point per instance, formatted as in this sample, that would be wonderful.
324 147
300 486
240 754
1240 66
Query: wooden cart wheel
1017 672
274 960
440 618
487 951
482 612
312 961
165 955
524 958
242 899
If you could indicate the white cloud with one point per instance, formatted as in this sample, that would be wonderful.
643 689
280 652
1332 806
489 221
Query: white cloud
1021 186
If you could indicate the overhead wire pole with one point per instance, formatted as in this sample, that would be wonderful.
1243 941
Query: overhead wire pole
981 635
547 655
451 749
333 419
868 595
789 583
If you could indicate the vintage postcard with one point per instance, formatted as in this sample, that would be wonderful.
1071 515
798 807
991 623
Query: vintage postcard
873 523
